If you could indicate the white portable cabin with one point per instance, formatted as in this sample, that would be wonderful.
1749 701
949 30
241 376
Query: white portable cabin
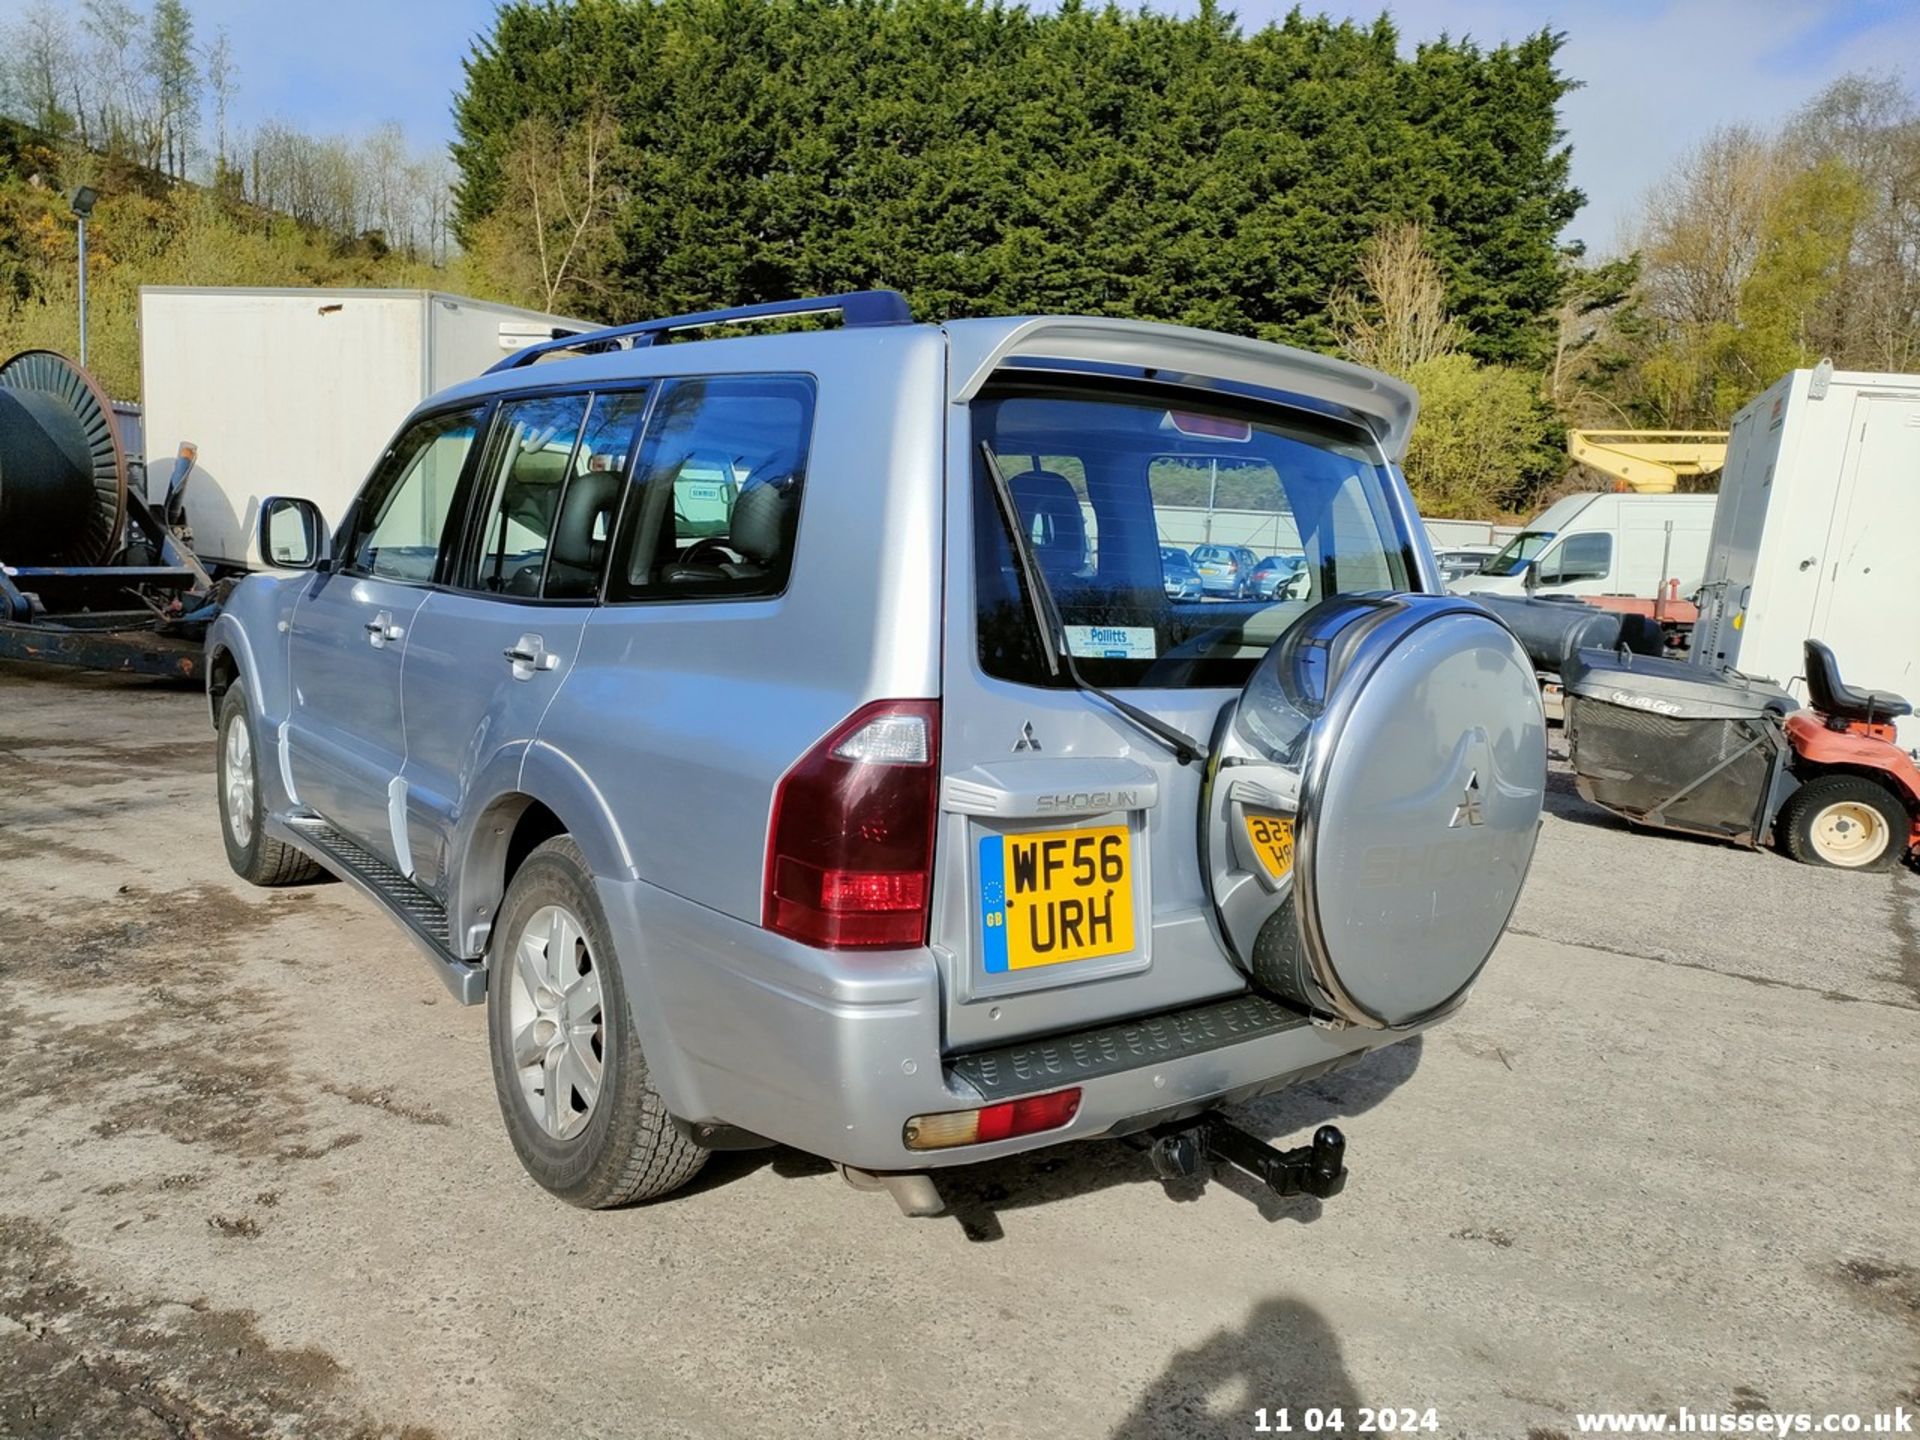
297 392
1818 535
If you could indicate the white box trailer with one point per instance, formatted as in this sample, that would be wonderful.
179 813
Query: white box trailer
297 392
1818 535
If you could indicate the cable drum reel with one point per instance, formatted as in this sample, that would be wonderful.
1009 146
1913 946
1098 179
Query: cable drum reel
1399 742
63 474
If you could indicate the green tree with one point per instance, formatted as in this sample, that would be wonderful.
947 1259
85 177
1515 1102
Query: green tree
172 68
1484 439
1484 442
985 158
1796 265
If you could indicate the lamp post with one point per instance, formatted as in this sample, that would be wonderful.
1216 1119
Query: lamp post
81 201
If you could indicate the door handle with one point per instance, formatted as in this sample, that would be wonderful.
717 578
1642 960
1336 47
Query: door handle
381 631
529 654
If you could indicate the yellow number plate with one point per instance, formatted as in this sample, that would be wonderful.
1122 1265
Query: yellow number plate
1272 838
1056 895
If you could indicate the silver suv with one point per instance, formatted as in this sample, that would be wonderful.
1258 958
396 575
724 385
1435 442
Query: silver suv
789 736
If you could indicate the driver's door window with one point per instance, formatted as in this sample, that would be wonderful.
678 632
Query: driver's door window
403 515
1578 557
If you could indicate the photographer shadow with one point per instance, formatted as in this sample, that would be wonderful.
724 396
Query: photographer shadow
1285 1357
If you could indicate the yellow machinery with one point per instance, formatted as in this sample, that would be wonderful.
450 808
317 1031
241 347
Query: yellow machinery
1652 462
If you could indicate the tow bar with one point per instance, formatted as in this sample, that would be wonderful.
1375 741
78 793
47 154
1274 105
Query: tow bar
1318 1168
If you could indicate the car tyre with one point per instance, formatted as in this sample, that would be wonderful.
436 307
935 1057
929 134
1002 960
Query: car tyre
567 1065
1845 822
255 856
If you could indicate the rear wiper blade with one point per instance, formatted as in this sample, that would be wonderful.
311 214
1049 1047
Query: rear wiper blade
1054 646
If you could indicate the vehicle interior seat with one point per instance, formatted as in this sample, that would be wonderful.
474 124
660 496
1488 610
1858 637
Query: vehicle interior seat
578 548
759 532
1056 526
527 498
1833 697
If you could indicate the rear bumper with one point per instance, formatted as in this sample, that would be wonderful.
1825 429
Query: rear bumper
833 1053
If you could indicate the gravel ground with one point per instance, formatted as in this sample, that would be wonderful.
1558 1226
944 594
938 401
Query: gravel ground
252 1177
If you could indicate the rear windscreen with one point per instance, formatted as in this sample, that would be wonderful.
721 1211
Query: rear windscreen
1180 537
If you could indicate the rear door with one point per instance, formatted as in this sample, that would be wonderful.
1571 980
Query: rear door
490 650
345 742
1868 608
1069 889
1739 522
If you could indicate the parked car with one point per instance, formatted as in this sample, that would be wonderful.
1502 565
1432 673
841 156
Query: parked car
1181 579
1460 561
897 823
1225 569
1281 577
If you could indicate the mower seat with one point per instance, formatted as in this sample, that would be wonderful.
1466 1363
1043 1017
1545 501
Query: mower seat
1837 700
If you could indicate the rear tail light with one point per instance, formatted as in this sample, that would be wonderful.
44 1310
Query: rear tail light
1027 1116
850 849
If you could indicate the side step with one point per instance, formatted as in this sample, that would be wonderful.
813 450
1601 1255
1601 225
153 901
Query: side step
424 917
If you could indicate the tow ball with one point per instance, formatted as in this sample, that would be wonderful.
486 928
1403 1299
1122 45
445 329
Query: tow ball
1318 1168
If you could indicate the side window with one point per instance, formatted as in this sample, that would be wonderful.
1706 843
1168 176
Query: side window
529 458
716 491
403 512
1579 557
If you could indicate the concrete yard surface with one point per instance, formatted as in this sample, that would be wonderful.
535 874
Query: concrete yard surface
253 1178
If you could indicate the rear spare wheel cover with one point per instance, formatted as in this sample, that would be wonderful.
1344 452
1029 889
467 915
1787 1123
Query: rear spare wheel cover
1404 739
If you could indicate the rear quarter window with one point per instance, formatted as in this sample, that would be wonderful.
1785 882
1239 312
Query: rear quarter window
713 511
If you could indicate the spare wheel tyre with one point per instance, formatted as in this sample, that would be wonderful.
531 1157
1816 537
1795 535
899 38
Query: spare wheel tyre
1371 804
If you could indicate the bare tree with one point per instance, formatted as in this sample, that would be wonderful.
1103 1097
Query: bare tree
548 239
121 119
1871 319
1704 225
42 64
1398 319
175 79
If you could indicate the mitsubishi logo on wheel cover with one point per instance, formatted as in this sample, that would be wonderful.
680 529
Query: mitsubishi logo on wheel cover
1026 740
1470 809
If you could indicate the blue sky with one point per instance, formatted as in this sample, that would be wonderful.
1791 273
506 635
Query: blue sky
1658 73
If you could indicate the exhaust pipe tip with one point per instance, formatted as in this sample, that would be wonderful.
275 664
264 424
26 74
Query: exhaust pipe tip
912 1190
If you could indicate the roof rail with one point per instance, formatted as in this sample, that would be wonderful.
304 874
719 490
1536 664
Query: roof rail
856 308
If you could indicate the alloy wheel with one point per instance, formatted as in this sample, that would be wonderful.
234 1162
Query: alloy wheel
556 1021
236 764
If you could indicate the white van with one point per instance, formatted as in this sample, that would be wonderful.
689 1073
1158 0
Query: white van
1604 544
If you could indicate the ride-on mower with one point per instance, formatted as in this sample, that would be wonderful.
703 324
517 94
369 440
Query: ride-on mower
1677 747
1858 804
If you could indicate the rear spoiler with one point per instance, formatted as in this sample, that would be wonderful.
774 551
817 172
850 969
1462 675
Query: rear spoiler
976 348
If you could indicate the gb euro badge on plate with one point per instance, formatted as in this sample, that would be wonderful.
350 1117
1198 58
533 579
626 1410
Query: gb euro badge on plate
1049 897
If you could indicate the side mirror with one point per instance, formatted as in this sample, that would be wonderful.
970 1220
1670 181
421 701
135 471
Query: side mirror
1531 576
293 534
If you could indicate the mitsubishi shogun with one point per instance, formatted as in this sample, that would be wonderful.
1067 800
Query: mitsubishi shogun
791 737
